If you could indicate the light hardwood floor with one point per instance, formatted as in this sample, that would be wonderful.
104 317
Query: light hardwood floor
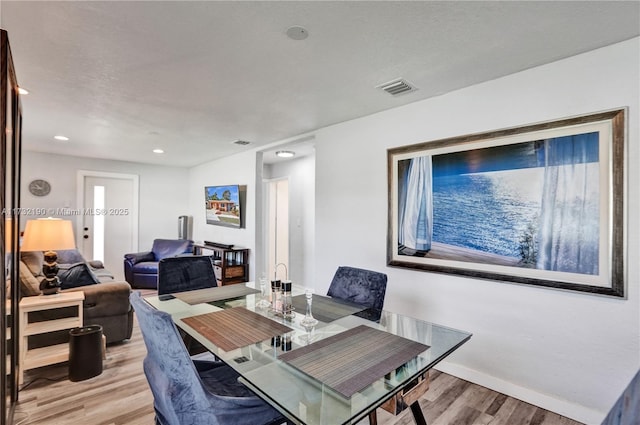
121 396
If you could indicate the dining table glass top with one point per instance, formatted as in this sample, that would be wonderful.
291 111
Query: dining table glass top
266 368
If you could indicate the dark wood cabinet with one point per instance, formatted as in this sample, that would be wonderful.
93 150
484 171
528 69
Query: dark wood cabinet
231 264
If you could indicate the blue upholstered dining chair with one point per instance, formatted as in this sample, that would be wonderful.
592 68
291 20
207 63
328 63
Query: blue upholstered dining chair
359 286
192 392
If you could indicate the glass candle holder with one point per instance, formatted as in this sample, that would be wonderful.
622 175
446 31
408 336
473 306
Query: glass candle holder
308 320
263 302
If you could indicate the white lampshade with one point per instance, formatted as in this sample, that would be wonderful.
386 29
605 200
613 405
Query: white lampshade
7 234
48 234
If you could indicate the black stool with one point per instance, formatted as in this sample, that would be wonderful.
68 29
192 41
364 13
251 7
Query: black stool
85 352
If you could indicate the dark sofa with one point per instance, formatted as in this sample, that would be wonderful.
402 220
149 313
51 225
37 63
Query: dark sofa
106 301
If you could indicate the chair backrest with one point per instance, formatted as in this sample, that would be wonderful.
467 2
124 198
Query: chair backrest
163 248
178 393
178 274
359 286
626 410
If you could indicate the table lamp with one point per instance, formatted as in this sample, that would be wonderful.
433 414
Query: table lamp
48 234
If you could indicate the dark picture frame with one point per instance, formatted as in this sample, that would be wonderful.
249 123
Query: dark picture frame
541 204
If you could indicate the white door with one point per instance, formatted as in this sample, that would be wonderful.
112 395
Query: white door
110 216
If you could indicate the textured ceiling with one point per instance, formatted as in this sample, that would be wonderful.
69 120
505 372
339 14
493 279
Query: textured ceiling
122 78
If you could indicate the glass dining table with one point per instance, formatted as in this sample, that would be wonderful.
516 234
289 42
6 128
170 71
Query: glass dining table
336 372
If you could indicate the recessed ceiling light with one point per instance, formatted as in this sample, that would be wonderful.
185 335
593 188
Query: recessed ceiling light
297 33
158 151
285 154
61 138
23 91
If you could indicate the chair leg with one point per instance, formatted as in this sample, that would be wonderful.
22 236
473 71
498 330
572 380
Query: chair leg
373 418
418 416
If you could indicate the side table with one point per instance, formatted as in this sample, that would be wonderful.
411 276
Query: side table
38 357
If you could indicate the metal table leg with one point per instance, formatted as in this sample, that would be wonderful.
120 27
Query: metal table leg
417 413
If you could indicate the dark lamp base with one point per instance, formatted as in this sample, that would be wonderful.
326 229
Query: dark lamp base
50 284
50 287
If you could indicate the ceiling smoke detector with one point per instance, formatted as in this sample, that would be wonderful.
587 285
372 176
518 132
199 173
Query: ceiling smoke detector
241 142
297 33
397 87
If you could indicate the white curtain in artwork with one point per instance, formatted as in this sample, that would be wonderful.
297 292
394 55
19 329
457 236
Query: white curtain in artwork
568 237
415 227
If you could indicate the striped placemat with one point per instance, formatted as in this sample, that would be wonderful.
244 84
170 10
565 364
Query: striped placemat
325 309
235 327
218 293
352 360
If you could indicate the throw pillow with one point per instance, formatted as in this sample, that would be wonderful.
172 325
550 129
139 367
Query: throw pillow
69 256
77 275
33 260
29 285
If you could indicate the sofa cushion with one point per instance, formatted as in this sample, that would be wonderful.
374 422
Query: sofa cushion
33 260
29 285
105 299
145 267
103 275
77 275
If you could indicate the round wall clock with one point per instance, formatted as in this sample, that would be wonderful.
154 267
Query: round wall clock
39 187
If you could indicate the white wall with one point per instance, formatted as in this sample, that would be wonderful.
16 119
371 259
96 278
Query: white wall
569 352
162 190
237 169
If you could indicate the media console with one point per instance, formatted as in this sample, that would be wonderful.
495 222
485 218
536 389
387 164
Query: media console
231 264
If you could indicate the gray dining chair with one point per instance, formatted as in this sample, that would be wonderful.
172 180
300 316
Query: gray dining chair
363 287
193 392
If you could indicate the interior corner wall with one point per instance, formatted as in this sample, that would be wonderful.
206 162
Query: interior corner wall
162 194
569 352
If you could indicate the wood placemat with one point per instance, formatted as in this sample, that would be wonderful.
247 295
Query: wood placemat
235 327
218 293
325 309
352 360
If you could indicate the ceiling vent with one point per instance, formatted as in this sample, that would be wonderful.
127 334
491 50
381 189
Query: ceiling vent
241 142
397 87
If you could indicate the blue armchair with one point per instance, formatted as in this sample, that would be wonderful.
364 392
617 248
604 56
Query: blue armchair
141 268
194 392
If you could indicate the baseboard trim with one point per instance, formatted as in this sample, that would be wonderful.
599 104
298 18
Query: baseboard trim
562 407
